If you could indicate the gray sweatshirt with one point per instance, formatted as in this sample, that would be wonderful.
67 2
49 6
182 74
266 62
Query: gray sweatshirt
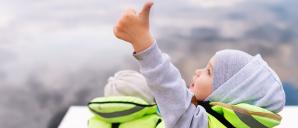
170 91
256 84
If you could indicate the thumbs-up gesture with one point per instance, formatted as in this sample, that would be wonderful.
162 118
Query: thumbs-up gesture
134 28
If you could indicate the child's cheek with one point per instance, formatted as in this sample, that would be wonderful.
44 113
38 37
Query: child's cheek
196 88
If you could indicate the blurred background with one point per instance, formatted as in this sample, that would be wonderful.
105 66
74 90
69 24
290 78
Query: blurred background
58 53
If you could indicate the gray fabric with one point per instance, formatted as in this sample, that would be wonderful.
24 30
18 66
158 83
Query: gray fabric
256 84
170 91
227 63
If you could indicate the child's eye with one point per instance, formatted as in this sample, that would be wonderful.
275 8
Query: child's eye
209 72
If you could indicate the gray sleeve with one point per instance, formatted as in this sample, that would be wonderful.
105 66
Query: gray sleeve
170 91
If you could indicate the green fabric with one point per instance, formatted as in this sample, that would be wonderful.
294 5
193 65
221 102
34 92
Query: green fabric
108 105
117 105
122 105
266 121
95 122
161 125
265 117
144 122
148 121
230 116
214 123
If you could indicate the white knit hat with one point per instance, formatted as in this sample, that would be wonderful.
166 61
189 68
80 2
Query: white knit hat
128 83
227 63
240 77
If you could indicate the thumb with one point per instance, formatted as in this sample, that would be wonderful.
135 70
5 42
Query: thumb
146 10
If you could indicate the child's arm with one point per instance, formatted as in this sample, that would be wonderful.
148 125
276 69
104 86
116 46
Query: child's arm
164 80
169 90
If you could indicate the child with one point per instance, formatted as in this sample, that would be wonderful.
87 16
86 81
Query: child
231 77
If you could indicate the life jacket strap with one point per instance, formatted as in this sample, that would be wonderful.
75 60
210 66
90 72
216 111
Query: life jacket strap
219 117
120 113
115 125
245 117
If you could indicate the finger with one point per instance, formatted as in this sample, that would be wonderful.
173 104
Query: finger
131 11
146 10
117 33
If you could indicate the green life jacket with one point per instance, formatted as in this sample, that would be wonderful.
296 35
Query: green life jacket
221 115
123 112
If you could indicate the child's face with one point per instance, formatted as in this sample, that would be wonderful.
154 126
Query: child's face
201 84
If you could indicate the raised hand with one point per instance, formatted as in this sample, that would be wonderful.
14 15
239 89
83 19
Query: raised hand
134 28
